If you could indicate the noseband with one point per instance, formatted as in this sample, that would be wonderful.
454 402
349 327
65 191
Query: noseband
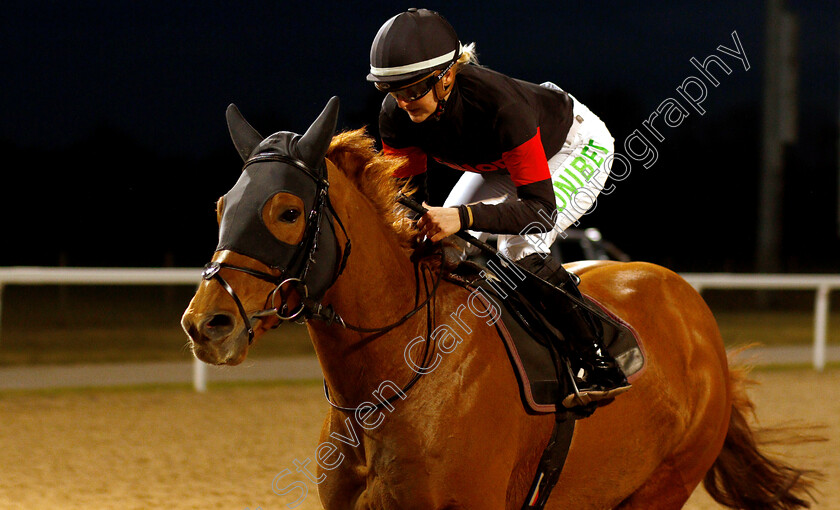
211 272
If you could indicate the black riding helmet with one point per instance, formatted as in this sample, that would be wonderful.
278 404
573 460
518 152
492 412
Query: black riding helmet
411 45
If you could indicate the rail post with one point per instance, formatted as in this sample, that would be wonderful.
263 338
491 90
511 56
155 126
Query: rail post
1 310
820 327
199 375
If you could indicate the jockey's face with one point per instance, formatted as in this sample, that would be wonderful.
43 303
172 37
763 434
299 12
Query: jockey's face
422 108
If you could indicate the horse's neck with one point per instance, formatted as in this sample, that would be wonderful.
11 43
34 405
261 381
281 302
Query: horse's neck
376 289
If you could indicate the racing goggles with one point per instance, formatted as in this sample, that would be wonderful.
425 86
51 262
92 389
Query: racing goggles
416 90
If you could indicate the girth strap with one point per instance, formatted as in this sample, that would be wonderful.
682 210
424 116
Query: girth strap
551 463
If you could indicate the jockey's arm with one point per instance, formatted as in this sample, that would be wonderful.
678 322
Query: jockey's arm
528 168
513 216
510 217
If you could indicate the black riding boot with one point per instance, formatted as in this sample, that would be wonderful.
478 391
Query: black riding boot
602 378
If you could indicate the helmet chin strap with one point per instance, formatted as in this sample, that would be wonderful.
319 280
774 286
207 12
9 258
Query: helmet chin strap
441 97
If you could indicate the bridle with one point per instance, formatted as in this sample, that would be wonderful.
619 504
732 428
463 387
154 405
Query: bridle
301 261
296 273
211 272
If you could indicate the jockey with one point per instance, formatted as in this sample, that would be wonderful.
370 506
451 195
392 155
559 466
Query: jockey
532 158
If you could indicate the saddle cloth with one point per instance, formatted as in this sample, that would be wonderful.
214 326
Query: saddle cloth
539 383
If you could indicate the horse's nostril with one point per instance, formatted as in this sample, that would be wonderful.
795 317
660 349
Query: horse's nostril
216 327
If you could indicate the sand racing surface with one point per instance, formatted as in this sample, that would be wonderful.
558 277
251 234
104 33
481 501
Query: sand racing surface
172 448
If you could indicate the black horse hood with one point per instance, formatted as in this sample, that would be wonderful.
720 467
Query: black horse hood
283 162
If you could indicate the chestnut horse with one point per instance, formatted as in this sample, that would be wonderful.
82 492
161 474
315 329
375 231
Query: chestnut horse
459 436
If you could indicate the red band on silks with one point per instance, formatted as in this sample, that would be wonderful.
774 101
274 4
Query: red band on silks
415 165
527 163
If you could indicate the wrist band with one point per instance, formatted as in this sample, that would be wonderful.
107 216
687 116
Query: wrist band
466 216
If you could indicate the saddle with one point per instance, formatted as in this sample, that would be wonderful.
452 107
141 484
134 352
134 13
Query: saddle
542 382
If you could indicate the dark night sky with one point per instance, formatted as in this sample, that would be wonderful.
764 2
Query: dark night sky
113 115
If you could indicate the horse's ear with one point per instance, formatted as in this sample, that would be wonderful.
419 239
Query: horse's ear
314 143
244 137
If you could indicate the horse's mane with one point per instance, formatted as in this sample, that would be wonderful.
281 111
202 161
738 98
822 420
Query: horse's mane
354 154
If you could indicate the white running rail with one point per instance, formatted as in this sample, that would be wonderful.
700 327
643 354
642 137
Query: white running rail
106 276
822 284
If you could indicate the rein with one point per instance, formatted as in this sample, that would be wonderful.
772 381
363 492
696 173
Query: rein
430 314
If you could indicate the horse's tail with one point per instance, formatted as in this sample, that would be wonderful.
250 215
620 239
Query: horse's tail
744 477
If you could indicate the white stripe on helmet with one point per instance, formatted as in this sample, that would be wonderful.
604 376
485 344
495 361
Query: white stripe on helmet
417 66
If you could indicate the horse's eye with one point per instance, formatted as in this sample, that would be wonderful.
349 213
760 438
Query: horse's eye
289 215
